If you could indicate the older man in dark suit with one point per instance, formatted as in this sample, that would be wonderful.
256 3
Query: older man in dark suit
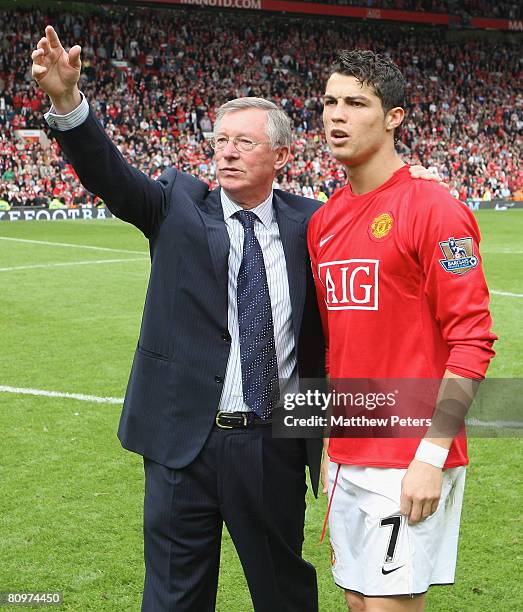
230 312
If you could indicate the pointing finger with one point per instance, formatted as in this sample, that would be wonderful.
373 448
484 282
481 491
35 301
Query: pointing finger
52 37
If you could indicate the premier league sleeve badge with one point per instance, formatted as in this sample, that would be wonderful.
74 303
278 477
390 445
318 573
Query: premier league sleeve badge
459 255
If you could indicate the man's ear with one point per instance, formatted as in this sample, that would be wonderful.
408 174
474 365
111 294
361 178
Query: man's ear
394 118
282 157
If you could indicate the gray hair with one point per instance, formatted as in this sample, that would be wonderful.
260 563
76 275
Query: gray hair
278 127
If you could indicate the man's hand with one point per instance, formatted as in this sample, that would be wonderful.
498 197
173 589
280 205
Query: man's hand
57 72
420 491
427 174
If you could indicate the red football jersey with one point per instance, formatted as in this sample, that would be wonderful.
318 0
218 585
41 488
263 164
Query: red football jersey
402 295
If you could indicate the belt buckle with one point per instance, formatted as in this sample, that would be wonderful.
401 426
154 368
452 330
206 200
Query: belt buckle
217 421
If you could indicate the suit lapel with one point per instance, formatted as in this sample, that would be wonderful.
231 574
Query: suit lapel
218 239
293 233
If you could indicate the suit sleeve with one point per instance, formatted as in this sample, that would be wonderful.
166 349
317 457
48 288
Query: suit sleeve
311 244
446 240
129 193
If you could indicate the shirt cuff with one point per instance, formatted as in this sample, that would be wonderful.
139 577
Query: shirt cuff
76 117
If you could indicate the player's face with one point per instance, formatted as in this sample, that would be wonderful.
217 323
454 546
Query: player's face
354 120
247 177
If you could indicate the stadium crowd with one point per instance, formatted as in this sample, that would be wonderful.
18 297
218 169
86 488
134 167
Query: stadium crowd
154 78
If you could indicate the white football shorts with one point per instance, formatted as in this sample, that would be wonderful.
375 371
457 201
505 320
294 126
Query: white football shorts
375 551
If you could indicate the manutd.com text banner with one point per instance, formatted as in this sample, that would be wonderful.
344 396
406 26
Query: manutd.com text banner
316 8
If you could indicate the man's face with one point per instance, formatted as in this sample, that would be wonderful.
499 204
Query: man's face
354 120
247 177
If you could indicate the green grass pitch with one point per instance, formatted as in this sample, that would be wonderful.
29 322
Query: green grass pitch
71 498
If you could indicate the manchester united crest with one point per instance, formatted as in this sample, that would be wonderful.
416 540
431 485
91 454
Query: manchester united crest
459 255
381 225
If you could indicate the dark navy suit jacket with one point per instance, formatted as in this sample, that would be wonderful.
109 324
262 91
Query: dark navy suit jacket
180 361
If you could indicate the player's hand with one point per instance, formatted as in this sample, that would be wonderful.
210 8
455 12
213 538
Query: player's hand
427 174
325 473
57 71
420 491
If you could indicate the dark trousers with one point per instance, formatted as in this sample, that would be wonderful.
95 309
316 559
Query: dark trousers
256 485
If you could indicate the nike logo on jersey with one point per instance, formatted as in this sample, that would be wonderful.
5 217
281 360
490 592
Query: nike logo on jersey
385 572
326 239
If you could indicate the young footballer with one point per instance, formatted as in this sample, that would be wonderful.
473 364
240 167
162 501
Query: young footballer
403 296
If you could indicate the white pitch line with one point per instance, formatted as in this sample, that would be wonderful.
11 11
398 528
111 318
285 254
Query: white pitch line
72 263
495 424
76 396
73 246
507 293
119 400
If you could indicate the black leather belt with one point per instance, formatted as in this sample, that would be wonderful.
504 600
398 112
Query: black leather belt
239 420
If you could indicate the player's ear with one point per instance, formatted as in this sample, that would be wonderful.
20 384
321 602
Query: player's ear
394 118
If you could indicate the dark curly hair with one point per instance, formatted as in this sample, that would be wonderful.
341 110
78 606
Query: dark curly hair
377 71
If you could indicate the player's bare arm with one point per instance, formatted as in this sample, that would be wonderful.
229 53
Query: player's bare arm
57 71
421 485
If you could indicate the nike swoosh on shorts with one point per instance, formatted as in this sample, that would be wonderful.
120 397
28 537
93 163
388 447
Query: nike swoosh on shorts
385 572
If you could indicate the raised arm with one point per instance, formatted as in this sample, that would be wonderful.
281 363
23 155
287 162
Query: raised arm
102 169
